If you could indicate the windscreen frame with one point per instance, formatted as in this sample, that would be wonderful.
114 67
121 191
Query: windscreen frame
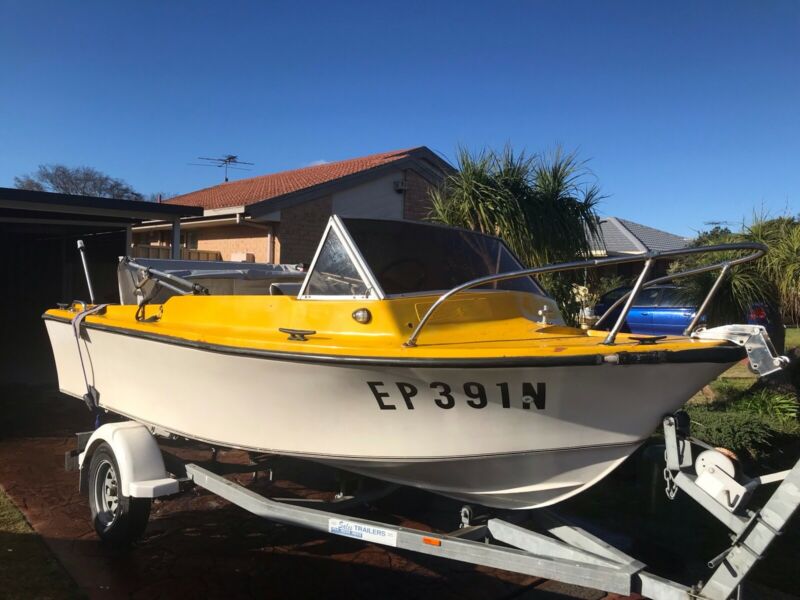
337 228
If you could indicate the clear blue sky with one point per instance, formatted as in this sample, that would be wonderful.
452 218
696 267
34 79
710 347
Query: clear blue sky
689 111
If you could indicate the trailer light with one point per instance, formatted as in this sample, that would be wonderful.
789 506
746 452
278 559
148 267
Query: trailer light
362 315
432 541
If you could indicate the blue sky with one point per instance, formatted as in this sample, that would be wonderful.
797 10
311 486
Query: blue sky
688 112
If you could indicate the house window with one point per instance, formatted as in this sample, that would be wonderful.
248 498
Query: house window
189 240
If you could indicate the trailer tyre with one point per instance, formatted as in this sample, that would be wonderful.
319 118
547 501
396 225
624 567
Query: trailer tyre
118 520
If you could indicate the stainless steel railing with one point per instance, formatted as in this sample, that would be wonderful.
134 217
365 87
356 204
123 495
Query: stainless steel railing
179 285
649 259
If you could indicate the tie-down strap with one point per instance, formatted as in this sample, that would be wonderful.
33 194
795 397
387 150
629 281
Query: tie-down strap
91 396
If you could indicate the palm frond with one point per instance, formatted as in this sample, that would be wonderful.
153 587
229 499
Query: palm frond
543 206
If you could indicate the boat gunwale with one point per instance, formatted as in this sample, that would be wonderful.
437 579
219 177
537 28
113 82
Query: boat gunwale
716 354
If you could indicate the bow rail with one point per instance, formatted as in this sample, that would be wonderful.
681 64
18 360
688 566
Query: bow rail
649 259
177 284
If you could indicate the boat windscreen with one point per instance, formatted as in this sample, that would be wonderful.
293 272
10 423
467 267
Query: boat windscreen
407 257
333 273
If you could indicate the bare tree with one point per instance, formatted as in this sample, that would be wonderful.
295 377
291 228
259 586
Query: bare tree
158 196
84 181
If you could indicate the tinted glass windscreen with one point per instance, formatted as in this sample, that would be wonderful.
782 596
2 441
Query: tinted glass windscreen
411 257
334 273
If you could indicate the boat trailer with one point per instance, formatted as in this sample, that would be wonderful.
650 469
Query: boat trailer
557 550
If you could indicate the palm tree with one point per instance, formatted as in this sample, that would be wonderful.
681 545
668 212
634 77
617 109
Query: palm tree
541 205
781 265
774 280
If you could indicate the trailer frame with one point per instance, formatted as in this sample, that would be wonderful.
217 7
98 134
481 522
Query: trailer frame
558 549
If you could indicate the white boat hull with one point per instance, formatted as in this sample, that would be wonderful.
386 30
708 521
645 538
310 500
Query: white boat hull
538 435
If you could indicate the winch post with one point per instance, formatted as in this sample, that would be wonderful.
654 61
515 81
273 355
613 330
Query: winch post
752 543
754 531
678 449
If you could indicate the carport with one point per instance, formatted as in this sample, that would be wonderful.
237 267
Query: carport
41 265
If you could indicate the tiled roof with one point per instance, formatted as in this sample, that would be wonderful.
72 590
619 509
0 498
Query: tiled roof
655 239
265 187
620 236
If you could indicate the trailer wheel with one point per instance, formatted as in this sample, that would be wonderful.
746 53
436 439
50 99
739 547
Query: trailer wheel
118 520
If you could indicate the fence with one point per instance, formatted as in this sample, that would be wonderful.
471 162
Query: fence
146 251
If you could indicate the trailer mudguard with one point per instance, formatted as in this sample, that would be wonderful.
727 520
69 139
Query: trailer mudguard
141 467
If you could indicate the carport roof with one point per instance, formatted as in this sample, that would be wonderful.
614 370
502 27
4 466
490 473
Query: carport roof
30 206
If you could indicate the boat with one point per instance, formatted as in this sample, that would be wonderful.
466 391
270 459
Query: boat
411 352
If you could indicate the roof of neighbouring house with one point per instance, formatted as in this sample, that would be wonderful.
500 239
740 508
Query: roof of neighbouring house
620 236
244 192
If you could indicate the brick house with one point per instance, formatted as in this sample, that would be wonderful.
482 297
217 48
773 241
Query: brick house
280 217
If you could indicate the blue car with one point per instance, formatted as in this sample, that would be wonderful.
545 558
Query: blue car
659 310
665 310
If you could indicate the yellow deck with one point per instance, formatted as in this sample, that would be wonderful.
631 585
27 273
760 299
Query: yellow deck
474 325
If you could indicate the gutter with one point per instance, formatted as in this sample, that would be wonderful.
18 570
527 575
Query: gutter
201 223
247 221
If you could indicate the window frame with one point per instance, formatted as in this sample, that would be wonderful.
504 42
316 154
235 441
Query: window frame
684 303
337 228
656 304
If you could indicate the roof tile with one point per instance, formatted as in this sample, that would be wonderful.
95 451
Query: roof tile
265 187
623 236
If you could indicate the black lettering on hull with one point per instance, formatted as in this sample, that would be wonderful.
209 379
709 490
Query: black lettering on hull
379 396
475 395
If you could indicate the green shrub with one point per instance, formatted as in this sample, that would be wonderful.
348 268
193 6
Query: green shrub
728 390
742 432
767 403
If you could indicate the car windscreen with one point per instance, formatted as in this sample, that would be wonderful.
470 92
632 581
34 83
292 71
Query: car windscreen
676 297
408 258
646 297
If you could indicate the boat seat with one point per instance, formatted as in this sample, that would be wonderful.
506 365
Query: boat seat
284 289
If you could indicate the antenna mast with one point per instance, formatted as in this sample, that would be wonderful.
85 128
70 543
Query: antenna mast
228 161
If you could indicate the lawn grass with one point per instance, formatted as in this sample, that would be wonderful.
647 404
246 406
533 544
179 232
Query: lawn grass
27 568
792 337
739 375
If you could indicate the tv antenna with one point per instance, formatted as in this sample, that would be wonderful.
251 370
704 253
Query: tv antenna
719 223
228 161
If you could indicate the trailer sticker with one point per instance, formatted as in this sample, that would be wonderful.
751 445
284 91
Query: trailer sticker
360 531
